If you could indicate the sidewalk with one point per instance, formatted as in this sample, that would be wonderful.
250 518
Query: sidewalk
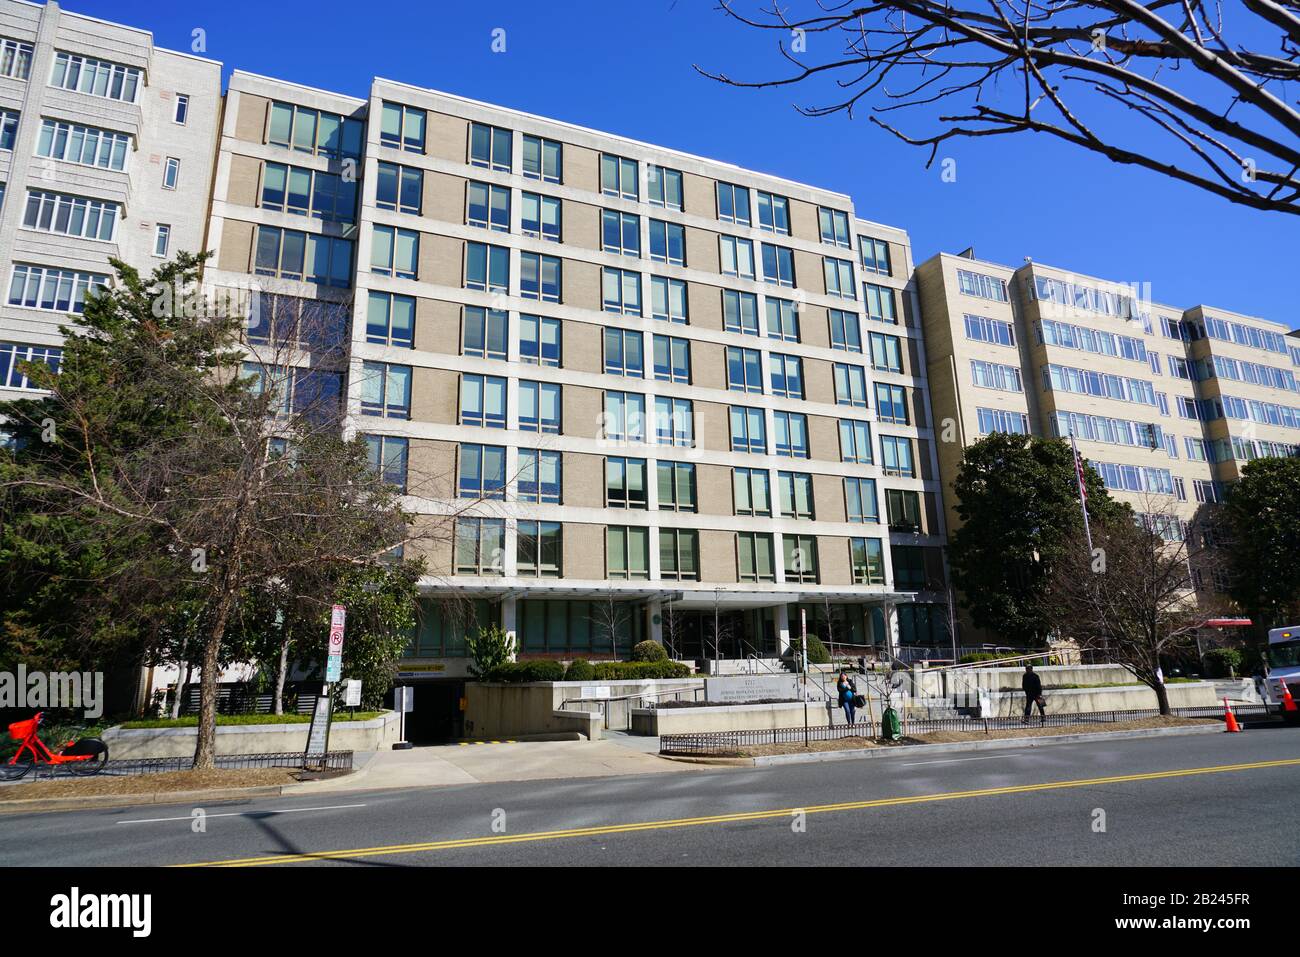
451 764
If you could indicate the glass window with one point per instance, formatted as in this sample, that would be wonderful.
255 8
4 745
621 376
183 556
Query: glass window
72 143
667 299
485 333
181 113
748 430
850 385
791 434
755 557
387 454
624 418
740 312
896 456
171 172
480 546
539 277
860 500
667 243
621 291
390 319
402 127
676 486
627 552
386 390
778 265
664 186
161 238
16 62
672 359
539 407
875 255
618 177
538 549
539 476
482 472
845 334
395 252
674 421
486 267
880 303
891 403
839 278
744 370
886 353
539 340
488 206
773 213
866 555
625 483
543 159
483 401
737 257
624 353
489 147
620 233
800 558
752 492
679 554
855 441
796 494
782 319
733 204
903 508
540 216
834 226
787 375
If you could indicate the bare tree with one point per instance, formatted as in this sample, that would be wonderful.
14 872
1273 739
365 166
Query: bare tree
1139 593
609 615
1212 89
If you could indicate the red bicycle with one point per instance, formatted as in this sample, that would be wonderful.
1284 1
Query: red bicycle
82 756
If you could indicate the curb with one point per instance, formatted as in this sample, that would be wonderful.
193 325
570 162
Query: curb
28 805
994 744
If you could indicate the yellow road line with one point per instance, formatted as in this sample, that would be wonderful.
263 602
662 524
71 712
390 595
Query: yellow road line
630 828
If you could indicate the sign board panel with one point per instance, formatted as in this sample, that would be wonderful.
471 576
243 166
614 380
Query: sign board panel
352 692
338 619
597 691
318 736
403 698
740 688
333 668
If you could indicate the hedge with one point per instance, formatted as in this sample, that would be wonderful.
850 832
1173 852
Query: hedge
580 669
517 672
649 650
631 670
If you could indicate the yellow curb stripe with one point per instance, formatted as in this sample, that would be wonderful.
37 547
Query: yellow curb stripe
731 818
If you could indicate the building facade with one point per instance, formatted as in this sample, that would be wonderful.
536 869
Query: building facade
1166 403
106 146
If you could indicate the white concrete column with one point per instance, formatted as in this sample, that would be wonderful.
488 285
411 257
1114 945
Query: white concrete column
654 621
508 622
782 629
891 627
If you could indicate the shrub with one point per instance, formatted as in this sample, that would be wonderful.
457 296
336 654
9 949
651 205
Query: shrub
579 669
817 653
490 648
518 672
649 650
979 656
632 670
1223 662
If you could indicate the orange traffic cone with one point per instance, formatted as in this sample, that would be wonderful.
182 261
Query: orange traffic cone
1288 702
1230 718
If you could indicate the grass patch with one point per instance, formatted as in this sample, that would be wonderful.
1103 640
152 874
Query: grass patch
192 721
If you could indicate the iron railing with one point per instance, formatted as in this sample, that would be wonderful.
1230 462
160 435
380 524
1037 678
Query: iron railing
725 742
333 761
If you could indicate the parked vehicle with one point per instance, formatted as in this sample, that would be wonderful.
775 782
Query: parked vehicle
1282 666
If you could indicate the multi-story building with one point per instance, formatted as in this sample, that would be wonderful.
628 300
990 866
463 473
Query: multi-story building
106 146
1166 403
645 394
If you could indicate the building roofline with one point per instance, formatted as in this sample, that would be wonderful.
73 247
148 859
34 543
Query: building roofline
360 101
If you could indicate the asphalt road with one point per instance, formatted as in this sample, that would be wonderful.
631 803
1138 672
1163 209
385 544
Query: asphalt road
1207 800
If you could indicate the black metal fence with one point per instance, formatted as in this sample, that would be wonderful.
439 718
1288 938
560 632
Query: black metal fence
333 761
728 742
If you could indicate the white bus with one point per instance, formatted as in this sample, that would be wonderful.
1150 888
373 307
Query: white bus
1283 666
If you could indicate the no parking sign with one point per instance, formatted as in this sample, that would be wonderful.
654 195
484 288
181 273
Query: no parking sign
334 663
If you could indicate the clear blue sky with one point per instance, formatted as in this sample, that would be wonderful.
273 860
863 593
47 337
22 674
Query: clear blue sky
626 67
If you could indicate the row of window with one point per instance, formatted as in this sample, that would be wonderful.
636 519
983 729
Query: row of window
71 71
480 550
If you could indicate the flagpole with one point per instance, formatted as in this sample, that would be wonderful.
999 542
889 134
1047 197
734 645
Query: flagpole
1083 495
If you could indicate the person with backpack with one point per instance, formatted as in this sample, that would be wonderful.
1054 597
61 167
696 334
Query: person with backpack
1032 686
847 691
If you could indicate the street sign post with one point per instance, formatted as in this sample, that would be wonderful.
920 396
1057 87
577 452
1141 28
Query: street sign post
803 653
403 701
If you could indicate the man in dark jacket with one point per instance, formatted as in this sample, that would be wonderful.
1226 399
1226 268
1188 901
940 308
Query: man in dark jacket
1032 686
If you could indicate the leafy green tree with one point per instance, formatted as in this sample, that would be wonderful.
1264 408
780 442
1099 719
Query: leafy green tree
1018 501
488 648
198 481
1261 518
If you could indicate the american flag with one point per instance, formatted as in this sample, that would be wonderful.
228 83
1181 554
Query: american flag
1078 472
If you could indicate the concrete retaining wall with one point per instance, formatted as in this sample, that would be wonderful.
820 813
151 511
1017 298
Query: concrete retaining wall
1053 676
499 709
735 717
374 735
1075 700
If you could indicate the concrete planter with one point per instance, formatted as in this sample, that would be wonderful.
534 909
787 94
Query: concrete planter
374 735
732 717
1195 694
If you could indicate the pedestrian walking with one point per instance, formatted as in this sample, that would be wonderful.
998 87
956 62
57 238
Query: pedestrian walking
847 693
1032 686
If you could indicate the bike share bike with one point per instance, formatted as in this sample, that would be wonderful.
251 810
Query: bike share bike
82 756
